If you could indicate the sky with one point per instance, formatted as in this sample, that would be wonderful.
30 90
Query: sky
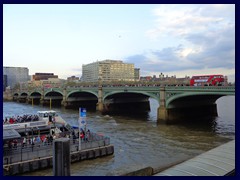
182 40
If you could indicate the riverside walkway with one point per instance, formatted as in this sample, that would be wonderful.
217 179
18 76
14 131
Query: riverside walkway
219 161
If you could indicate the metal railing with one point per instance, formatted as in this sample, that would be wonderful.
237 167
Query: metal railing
39 150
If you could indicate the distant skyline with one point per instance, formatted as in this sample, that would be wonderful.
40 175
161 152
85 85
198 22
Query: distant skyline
183 39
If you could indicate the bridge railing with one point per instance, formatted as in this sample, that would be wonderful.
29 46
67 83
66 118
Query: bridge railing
200 87
132 88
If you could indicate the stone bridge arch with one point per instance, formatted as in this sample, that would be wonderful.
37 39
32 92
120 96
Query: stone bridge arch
34 97
154 96
127 101
52 97
81 98
22 97
52 92
15 96
80 91
193 98
35 93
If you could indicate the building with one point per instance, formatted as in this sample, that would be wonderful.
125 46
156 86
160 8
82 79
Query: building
43 76
137 74
16 75
169 80
225 81
108 70
49 83
4 82
73 79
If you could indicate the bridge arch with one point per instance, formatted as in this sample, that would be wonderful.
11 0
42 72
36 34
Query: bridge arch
78 91
79 98
15 94
133 92
194 98
127 102
52 91
24 94
35 94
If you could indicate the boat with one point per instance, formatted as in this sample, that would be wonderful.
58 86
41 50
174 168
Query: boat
47 122
30 142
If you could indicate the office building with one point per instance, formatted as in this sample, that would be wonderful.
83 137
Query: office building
16 75
4 82
108 70
137 74
43 76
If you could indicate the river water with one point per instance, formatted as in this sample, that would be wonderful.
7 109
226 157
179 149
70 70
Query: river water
139 141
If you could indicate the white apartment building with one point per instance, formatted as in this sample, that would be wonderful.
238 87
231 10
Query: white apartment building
108 70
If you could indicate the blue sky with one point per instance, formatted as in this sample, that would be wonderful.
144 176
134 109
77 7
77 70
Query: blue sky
174 39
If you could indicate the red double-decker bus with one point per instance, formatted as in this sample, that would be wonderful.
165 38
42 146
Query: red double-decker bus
207 80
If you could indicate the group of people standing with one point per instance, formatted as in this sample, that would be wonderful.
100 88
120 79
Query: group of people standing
19 119
84 136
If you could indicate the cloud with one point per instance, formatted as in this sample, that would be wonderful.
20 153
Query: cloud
180 20
163 60
204 38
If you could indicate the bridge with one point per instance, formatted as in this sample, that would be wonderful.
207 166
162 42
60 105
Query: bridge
175 102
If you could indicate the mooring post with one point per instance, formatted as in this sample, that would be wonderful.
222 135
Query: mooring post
61 157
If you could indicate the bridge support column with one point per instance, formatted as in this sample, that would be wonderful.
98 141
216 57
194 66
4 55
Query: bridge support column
100 106
29 100
64 101
42 97
7 95
162 114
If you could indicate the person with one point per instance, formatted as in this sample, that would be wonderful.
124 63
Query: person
89 134
24 141
32 140
50 119
51 139
15 142
74 137
81 136
38 140
86 137
45 140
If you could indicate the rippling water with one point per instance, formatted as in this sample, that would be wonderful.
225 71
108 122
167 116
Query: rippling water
139 141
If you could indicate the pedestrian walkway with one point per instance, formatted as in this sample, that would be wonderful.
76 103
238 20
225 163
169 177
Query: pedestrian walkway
219 161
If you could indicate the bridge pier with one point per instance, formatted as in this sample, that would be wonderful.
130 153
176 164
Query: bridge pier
189 108
197 113
162 114
64 103
100 107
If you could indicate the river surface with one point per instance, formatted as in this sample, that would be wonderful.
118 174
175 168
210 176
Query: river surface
139 141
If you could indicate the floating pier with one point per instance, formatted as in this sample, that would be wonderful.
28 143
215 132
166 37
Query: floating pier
47 162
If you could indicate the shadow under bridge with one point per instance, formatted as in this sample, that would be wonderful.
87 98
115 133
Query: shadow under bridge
127 102
193 107
81 99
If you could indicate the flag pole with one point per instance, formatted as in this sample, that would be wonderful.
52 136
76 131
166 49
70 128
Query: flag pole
79 139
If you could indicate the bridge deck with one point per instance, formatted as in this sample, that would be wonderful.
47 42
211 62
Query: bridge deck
219 161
